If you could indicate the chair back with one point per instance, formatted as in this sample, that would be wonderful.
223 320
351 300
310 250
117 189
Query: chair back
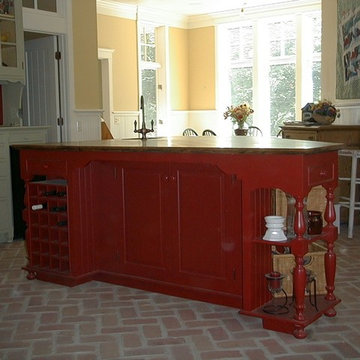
254 131
208 132
189 132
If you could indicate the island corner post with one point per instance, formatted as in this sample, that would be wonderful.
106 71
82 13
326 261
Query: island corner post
180 216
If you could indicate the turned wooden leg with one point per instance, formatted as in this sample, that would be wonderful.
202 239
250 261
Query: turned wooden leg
330 256
31 274
299 287
299 250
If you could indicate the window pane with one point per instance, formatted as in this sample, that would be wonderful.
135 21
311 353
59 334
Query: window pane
241 71
148 78
241 85
147 41
316 34
241 43
47 5
28 3
150 53
290 47
275 48
282 95
316 77
150 36
282 35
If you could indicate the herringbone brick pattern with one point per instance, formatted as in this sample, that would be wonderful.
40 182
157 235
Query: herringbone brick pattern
99 321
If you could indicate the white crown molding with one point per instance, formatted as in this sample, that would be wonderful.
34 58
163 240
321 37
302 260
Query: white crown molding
113 8
251 13
162 16
133 12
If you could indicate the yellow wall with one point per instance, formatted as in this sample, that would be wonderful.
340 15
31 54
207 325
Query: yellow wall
120 34
179 72
202 68
192 68
328 49
86 71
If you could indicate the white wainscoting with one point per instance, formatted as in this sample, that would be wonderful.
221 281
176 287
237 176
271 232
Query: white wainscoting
176 123
209 119
122 124
85 125
349 114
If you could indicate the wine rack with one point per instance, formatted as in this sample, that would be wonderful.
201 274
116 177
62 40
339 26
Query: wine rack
47 232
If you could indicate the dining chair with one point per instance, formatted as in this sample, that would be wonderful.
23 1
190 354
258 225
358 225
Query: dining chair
208 132
254 131
189 132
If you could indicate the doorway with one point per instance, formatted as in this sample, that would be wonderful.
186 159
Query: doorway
105 57
43 92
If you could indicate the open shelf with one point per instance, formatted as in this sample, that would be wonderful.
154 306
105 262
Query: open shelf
47 227
286 323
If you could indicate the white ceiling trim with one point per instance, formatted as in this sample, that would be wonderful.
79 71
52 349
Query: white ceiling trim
197 21
133 12
158 16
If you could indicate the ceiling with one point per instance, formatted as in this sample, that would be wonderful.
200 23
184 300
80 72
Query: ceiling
197 7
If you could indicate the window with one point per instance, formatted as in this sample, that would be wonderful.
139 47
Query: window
241 70
274 64
149 66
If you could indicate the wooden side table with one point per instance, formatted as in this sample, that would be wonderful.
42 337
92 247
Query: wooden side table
349 135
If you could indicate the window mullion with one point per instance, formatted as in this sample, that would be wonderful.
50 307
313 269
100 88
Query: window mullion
304 82
261 85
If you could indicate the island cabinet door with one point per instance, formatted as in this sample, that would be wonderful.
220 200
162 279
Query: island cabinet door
206 239
105 209
144 247
128 218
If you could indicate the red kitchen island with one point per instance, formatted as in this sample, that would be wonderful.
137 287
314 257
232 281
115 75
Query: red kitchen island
182 216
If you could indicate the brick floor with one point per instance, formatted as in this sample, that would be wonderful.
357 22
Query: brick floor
96 321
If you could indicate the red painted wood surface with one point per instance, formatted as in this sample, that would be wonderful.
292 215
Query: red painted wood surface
1 107
188 224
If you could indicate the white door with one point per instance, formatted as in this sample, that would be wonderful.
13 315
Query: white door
41 94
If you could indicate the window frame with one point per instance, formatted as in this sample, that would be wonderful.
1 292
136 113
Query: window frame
261 116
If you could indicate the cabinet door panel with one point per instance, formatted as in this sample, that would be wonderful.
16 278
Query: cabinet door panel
143 203
206 242
107 214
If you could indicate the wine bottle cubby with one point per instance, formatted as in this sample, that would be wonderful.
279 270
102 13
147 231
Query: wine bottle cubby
47 232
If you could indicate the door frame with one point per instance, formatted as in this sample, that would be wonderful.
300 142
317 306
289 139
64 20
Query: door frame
106 60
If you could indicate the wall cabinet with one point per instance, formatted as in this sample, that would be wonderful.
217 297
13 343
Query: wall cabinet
9 136
11 42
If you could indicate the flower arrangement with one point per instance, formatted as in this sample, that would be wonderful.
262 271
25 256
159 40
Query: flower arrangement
238 114
325 108
324 112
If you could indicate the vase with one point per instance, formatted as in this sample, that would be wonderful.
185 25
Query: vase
323 119
240 129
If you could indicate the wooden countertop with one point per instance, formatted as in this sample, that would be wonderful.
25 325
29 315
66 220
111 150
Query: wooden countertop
195 144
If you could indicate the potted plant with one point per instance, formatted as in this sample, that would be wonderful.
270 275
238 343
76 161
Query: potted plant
239 115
